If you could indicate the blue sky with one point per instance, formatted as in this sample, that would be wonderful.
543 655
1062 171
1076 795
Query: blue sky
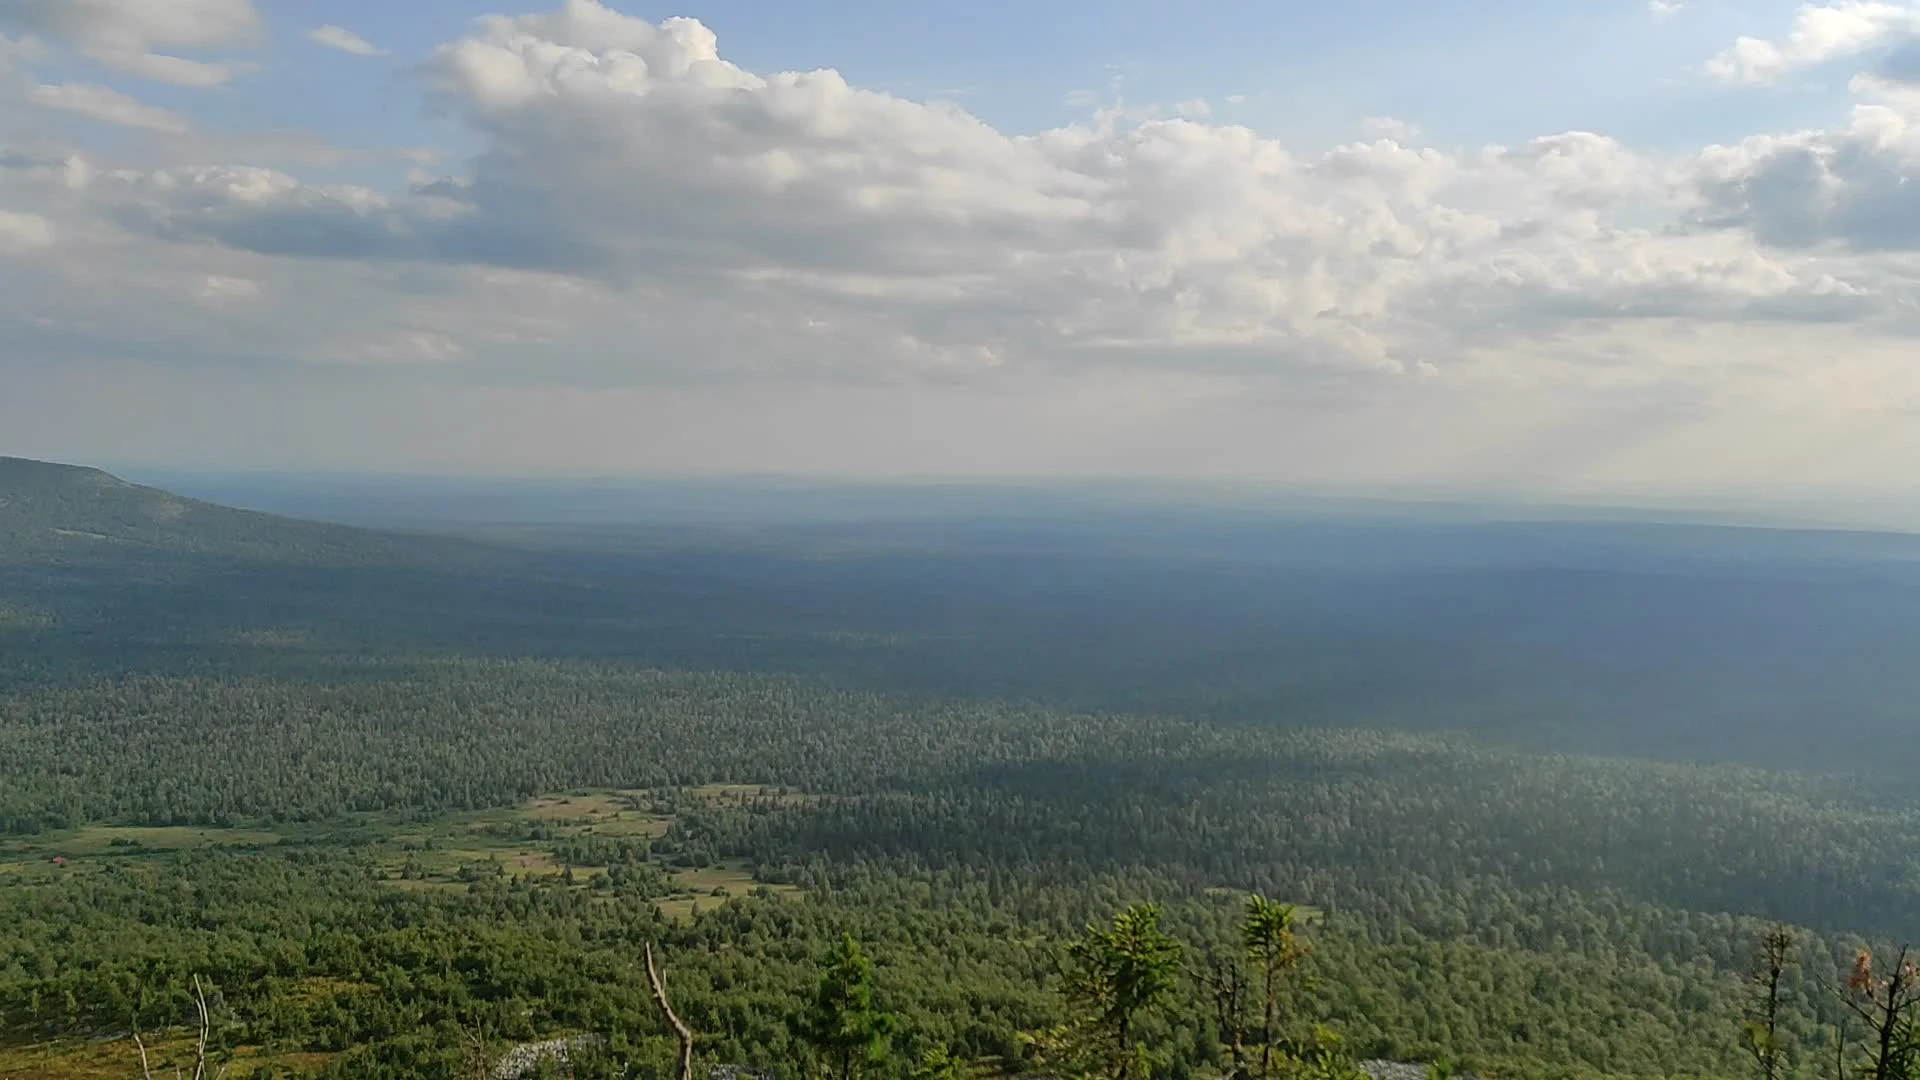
1494 71
1593 242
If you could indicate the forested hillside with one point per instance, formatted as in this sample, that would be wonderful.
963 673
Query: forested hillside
405 802
66 514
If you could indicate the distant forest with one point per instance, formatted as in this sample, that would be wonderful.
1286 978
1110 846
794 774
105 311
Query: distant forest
990 788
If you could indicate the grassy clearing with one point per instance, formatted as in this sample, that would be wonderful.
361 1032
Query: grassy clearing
436 854
711 886
588 807
521 841
415 862
445 853
117 1059
632 825
608 813
75 846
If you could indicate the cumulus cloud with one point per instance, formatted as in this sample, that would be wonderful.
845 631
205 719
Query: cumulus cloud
640 209
108 106
336 37
1852 187
636 156
1821 33
1845 189
141 37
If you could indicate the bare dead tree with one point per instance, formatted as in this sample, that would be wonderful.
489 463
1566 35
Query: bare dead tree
1886 1003
479 1060
200 1044
1762 1035
146 1070
680 1029
1226 983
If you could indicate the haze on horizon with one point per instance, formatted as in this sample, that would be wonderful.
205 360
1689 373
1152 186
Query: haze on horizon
1594 245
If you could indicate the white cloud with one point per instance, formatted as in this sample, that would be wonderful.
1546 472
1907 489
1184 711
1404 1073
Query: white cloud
637 156
1851 188
138 37
1821 33
159 67
642 212
108 106
222 289
335 37
1387 127
18 52
23 232
1665 9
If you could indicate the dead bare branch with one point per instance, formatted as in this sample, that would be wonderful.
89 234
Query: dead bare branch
146 1070
200 1044
680 1030
206 1029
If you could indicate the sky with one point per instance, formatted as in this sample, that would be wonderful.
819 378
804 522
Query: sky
1592 245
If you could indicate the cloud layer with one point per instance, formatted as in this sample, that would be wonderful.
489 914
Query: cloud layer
636 158
108 106
142 37
645 212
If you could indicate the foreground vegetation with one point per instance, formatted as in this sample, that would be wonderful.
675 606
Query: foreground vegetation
398 814
376 870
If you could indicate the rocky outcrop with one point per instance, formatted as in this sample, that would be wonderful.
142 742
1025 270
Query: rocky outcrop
525 1058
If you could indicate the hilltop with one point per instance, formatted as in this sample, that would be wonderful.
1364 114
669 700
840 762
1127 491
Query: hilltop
73 514
97 573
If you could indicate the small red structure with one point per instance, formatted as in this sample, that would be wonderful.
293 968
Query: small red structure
59 860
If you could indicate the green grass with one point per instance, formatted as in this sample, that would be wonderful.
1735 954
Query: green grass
95 841
436 851
426 856
586 806
117 1059
710 886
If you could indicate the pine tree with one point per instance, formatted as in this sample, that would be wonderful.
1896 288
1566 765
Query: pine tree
1114 977
1276 952
841 1023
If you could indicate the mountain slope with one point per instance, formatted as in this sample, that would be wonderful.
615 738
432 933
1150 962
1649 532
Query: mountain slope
72 514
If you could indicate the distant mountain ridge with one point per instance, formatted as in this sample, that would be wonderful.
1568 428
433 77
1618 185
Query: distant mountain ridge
51 512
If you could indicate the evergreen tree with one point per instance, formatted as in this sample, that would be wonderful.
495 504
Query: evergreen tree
1115 976
842 1023
1276 952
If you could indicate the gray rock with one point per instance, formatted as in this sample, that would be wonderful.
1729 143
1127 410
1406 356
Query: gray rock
523 1059
1400 1070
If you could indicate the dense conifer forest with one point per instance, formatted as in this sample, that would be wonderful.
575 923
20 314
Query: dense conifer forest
968 799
